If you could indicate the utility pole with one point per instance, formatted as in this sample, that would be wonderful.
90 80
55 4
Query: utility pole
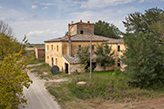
90 56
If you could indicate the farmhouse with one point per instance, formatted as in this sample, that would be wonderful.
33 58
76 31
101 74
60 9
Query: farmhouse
62 51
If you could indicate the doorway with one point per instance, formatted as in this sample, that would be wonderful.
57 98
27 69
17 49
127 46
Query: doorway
52 60
66 68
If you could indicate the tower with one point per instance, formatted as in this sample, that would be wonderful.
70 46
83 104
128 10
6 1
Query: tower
81 28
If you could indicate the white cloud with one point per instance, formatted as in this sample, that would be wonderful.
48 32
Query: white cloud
0 6
47 4
38 32
103 3
44 8
34 6
141 1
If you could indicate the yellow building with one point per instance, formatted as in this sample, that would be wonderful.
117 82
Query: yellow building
118 48
62 51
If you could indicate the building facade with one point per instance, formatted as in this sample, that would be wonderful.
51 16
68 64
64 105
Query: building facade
62 51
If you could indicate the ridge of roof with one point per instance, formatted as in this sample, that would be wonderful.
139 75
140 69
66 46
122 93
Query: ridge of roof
79 37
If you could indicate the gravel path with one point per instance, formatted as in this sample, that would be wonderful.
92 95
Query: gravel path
37 96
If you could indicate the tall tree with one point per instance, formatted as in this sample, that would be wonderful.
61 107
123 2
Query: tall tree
144 57
13 72
104 55
103 28
138 22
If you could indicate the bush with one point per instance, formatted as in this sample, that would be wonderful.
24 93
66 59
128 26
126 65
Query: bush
107 87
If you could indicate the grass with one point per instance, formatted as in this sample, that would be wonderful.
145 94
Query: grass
104 86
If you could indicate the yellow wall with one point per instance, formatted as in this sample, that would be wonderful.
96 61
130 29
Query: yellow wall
118 53
54 53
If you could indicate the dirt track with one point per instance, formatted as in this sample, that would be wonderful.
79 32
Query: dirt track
37 96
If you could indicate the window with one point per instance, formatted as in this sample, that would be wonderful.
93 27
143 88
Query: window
47 57
79 47
47 47
56 61
93 47
118 62
57 47
51 47
118 47
81 32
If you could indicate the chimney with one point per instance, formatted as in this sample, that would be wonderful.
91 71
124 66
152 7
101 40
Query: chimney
88 21
69 45
68 29
80 21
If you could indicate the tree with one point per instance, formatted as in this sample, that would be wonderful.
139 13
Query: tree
84 56
144 57
138 22
105 29
5 28
104 55
13 72
66 33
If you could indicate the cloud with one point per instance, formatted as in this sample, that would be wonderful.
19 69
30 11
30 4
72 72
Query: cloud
47 4
0 6
141 1
103 3
34 6
44 8
38 32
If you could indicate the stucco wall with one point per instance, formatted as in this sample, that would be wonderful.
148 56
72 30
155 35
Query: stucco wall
86 28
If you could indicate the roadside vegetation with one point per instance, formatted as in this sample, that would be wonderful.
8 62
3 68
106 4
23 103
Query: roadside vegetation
110 86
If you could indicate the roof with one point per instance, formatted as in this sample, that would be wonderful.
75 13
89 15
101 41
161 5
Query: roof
116 41
71 59
40 48
75 60
80 38
88 23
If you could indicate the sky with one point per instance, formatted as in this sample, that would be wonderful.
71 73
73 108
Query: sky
41 20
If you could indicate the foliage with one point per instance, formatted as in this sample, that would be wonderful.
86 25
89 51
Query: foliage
105 29
158 27
13 76
66 33
104 55
8 45
13 72
107 87
84 56
138 22
144 57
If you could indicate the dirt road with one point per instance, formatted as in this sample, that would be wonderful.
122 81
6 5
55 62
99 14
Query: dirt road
37 96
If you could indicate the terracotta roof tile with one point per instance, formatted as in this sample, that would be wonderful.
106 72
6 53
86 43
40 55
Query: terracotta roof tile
116 41
80 37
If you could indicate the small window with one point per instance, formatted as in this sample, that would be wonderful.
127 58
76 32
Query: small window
118 62
93 47
118 47
79 47
81 32
47 47
47 57
56 61
57 48
51 47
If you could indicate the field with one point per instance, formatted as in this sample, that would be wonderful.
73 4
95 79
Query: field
105 90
